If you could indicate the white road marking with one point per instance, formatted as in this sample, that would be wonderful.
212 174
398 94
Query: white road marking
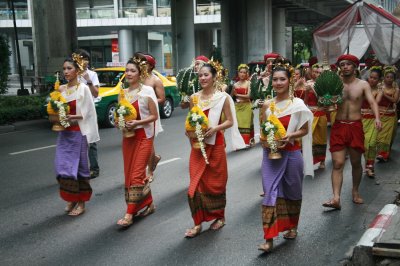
36 149
168 161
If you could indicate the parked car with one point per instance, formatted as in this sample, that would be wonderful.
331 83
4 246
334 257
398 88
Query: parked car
112 78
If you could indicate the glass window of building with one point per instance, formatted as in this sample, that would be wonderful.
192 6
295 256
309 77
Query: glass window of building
163 8
20 8
87 9
208 7
136 8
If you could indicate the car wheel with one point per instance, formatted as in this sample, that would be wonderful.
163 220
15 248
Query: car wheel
167 108
109 119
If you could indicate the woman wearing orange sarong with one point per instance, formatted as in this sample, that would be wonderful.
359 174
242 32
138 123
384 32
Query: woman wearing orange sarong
320 122
243 106
207 188
387 109
368 120
137 150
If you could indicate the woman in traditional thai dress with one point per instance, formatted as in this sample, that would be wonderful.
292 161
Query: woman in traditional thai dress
207 188
299 85
387 109
137 150
71 161
320 122
243 106
368 120
282 178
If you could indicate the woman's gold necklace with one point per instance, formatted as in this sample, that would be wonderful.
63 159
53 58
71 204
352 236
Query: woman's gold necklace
71 90
281 110
131 95
205 103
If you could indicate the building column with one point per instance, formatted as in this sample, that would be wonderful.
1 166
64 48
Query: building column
125 45
204 42
52 44
141 41
233 33
279 31
182 24
13 55
259 29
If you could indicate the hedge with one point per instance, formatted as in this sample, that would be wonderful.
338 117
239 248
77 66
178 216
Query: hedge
19 108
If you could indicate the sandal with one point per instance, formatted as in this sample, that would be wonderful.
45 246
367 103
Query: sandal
149 210
267 246
321 165
125 222
291 234
217 224
193 232
70 206
370 172
78 210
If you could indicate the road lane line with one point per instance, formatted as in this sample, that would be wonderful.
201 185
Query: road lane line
36 149
168 161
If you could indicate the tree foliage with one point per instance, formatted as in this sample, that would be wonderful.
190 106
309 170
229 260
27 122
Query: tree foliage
4 63
302 43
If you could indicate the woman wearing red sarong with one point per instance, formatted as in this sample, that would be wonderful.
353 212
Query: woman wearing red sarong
137 150
207 188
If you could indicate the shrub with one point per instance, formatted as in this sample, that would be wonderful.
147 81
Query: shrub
4 64
19 108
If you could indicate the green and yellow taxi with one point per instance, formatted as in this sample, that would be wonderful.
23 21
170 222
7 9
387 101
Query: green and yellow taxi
112 79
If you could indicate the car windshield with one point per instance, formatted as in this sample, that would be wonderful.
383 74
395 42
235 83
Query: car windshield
109 78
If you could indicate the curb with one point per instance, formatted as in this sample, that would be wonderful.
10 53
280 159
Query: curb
378 225
25 125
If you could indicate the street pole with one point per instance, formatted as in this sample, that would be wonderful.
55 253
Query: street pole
21 80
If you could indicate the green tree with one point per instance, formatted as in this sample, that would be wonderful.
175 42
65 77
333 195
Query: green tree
4 64
302 43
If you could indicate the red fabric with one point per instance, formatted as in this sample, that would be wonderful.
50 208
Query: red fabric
384 13
202 58
271 56
70 197
139 133
151 60
300 94
345 133
289 147
312 99
384 102
349 57
283 225
72 111
135 208
241 90
365 105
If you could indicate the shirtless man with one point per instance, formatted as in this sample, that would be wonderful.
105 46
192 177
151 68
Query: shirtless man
347 131
153 81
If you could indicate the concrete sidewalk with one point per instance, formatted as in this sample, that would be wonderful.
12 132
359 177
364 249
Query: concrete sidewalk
25 125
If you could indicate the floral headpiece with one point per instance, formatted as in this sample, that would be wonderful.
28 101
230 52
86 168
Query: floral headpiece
243 66
389 69
316 66
80 61
376 68
142 67
220 72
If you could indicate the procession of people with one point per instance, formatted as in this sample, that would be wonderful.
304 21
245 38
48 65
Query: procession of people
293 134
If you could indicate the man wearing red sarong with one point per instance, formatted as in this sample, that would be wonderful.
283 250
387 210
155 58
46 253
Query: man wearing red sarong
347 131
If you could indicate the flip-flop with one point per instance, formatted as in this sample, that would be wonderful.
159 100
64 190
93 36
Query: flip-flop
332 204
193 232
266 247
125 222
217 224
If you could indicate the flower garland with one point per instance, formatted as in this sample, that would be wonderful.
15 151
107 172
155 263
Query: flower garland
197 121
124 111
58 106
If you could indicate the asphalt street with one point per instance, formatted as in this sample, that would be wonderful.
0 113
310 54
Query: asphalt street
34 230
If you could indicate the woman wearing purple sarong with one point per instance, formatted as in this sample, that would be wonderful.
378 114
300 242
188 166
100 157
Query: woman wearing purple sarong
282 178
71 162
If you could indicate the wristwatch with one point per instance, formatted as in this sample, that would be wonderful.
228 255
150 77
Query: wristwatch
89 83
